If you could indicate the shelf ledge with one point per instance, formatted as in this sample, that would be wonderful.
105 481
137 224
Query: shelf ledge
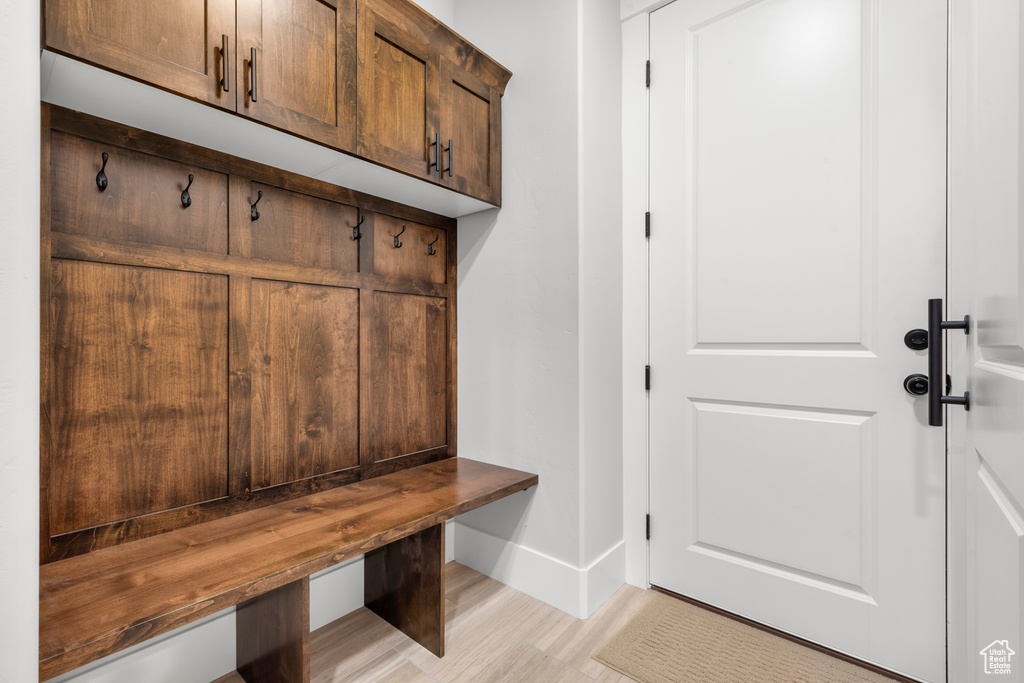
76 85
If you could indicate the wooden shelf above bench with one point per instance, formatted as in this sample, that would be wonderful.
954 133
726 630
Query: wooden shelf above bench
99 603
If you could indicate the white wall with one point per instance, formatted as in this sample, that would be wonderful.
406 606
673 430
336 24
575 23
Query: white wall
19 342
518 300
540 305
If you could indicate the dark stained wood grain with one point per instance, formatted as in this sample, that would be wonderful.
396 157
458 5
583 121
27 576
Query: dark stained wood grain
272 635
139 392
408 402
399 463
398 90
453 346
471 117
303 230
142 202
45 337
304 363
126 531
421 26
403 583
240 269
367 84
239 390
172 44
101 130
306 67
412 259
101 251
99 603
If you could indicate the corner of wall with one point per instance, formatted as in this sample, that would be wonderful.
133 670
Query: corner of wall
19 342
576 591
634 296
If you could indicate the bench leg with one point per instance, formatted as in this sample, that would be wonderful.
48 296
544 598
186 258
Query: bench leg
404 585
272 635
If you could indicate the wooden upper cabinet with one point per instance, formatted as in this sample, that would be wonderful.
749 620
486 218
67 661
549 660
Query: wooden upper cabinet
471 126
388 82
172 44
398 97
305 67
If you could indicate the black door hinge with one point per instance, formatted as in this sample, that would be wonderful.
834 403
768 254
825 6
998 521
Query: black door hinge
648 527
648 73
647 225
647 378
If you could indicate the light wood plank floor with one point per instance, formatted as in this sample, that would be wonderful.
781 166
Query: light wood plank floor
493 634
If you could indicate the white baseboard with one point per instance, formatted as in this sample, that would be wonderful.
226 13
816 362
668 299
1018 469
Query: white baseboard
577 591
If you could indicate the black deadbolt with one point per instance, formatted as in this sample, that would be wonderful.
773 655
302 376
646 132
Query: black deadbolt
916 385
916 339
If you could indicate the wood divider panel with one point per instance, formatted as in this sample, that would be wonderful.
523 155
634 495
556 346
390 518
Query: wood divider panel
403 584
99 603
272 635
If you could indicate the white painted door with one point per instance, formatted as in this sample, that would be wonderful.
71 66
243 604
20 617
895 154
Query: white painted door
797 231
986 281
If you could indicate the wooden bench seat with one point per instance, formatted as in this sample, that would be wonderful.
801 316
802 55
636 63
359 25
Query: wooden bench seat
99 603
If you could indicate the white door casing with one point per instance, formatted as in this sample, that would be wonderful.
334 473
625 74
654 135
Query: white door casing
797 198
986 281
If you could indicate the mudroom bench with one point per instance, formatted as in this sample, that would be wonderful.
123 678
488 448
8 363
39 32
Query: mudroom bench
104 601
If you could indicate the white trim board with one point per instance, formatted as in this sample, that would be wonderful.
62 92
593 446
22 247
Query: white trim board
635 48
574 590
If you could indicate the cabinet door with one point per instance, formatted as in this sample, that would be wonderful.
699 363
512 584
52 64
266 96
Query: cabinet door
471 120
172 44
305 67
398 97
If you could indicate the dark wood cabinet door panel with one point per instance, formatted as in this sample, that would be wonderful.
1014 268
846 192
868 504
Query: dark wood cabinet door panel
304 230
172 44
139 392
471 119
412 259
304 365
305 67
408 393
142 200
398 97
